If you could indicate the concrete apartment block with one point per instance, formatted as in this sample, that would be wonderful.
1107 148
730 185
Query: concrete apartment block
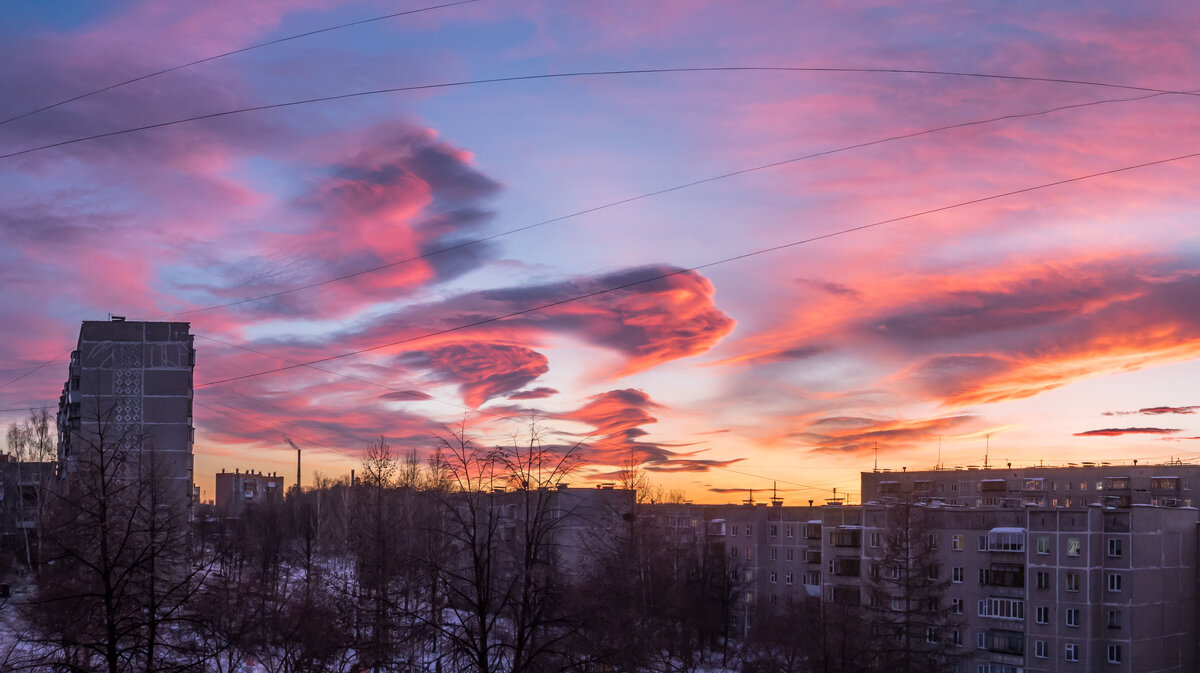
130 387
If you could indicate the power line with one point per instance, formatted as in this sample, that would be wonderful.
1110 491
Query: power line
660 192
418 396
725 260
592 73
206 59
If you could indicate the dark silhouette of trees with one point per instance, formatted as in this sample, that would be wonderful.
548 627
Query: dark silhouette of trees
910 622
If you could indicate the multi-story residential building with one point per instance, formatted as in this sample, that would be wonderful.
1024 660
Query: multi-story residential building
1025 587
1074 486
236 490
130 389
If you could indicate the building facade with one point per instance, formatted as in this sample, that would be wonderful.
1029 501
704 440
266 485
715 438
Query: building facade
237 490
129 389
1106 583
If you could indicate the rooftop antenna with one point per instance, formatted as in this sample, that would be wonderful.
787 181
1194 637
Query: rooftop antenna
876 457
293 444
986 447
939 463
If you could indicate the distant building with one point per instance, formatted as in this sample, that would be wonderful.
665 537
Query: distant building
22 495
237 490
1084 568
130 388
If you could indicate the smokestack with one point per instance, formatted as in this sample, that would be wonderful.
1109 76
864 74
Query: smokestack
293 445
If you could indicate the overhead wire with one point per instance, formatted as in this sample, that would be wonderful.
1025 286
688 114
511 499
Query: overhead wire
583 74
206 59
706 265
647 195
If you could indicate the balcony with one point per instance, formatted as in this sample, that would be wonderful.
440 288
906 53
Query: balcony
1004 575
846 538
1006 642
846 567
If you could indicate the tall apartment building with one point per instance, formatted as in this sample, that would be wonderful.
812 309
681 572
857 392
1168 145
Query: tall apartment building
1109 583
130 389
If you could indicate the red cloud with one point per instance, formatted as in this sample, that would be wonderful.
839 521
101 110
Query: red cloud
482 370
1114 432
860 435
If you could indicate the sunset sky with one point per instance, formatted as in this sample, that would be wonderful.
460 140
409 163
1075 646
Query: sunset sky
1053 324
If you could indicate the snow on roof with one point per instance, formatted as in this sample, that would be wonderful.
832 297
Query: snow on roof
993 481
1006 529
1165 477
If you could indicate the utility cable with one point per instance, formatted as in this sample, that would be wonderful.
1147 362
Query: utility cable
206 59
580 74
660 192
725 260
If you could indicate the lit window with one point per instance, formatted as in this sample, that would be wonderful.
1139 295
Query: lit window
956 543
1072 616
749 552
1072 546
1072 652
1114 654
1114 582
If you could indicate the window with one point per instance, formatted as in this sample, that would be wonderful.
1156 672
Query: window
748 529
956 575
982 543
749 553
1042 615
1072 581
774 554
1114 654
1043 579
774 531
773 581
1072 616
956 543
932 541
1099 486
874 539
789 554
733 531
1083 485
956 637
956 606
981 640
1039 649
733 552
1002 608
1114 619
935 570
1118 483
1043 544
1072 652
788 531
1114 547
1114 582
932 637
1072 546
1006 540
787 578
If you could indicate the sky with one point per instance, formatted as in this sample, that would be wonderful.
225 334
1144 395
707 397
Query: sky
823 242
